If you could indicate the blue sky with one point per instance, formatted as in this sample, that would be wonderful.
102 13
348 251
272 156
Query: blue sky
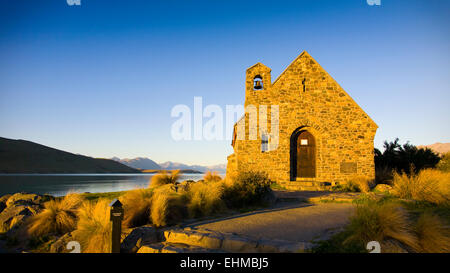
100 79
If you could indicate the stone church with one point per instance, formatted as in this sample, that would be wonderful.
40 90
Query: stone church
319 137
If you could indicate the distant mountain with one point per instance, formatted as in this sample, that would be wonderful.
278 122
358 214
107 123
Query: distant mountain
440 148
142 163
145 163
169 165
21 156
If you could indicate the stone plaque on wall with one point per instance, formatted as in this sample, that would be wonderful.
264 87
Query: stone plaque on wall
348 167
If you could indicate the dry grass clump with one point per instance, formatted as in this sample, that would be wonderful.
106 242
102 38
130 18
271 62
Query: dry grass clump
382 223
57 217
212 177
164 178
433 235
160 209
94 227
136 204
167 208
205 198
396 231
428 185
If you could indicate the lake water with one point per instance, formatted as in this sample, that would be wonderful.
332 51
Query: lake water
60 184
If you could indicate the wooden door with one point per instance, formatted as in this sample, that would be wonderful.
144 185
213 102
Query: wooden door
306 155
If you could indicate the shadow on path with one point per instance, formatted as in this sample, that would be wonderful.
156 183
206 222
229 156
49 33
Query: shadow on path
279 206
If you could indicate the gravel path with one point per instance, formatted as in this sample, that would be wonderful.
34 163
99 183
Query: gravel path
294 222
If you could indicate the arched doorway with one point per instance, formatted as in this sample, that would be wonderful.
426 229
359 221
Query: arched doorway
303 154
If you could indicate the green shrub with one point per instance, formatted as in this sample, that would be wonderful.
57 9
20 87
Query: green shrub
248 188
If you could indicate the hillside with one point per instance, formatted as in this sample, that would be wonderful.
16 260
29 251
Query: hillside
21 156
440 148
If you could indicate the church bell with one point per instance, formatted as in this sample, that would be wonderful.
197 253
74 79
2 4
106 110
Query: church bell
258 85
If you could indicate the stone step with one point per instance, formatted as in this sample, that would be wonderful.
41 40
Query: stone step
305 183
228 242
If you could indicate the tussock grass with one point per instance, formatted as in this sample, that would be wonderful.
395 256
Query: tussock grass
205 198
433 235
168 206
57 217
382 223
164 178
136 204
160 209
212 177
428 185
94 227
396 229
355 184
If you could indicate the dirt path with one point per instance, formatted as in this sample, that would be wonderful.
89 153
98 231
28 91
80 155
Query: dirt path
292 222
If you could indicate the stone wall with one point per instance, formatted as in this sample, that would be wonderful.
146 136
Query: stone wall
307 97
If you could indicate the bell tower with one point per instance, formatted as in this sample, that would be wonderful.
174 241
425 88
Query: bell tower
257 83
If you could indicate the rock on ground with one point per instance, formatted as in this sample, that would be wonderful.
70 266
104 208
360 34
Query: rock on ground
16 209
187 240
60 245
383 188
137 238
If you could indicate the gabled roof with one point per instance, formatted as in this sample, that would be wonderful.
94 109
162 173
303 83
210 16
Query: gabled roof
259 64
305 53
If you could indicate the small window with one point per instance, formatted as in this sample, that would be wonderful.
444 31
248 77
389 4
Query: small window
304 142
257 83
264 142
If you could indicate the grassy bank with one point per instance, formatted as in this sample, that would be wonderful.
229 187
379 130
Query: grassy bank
85 217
